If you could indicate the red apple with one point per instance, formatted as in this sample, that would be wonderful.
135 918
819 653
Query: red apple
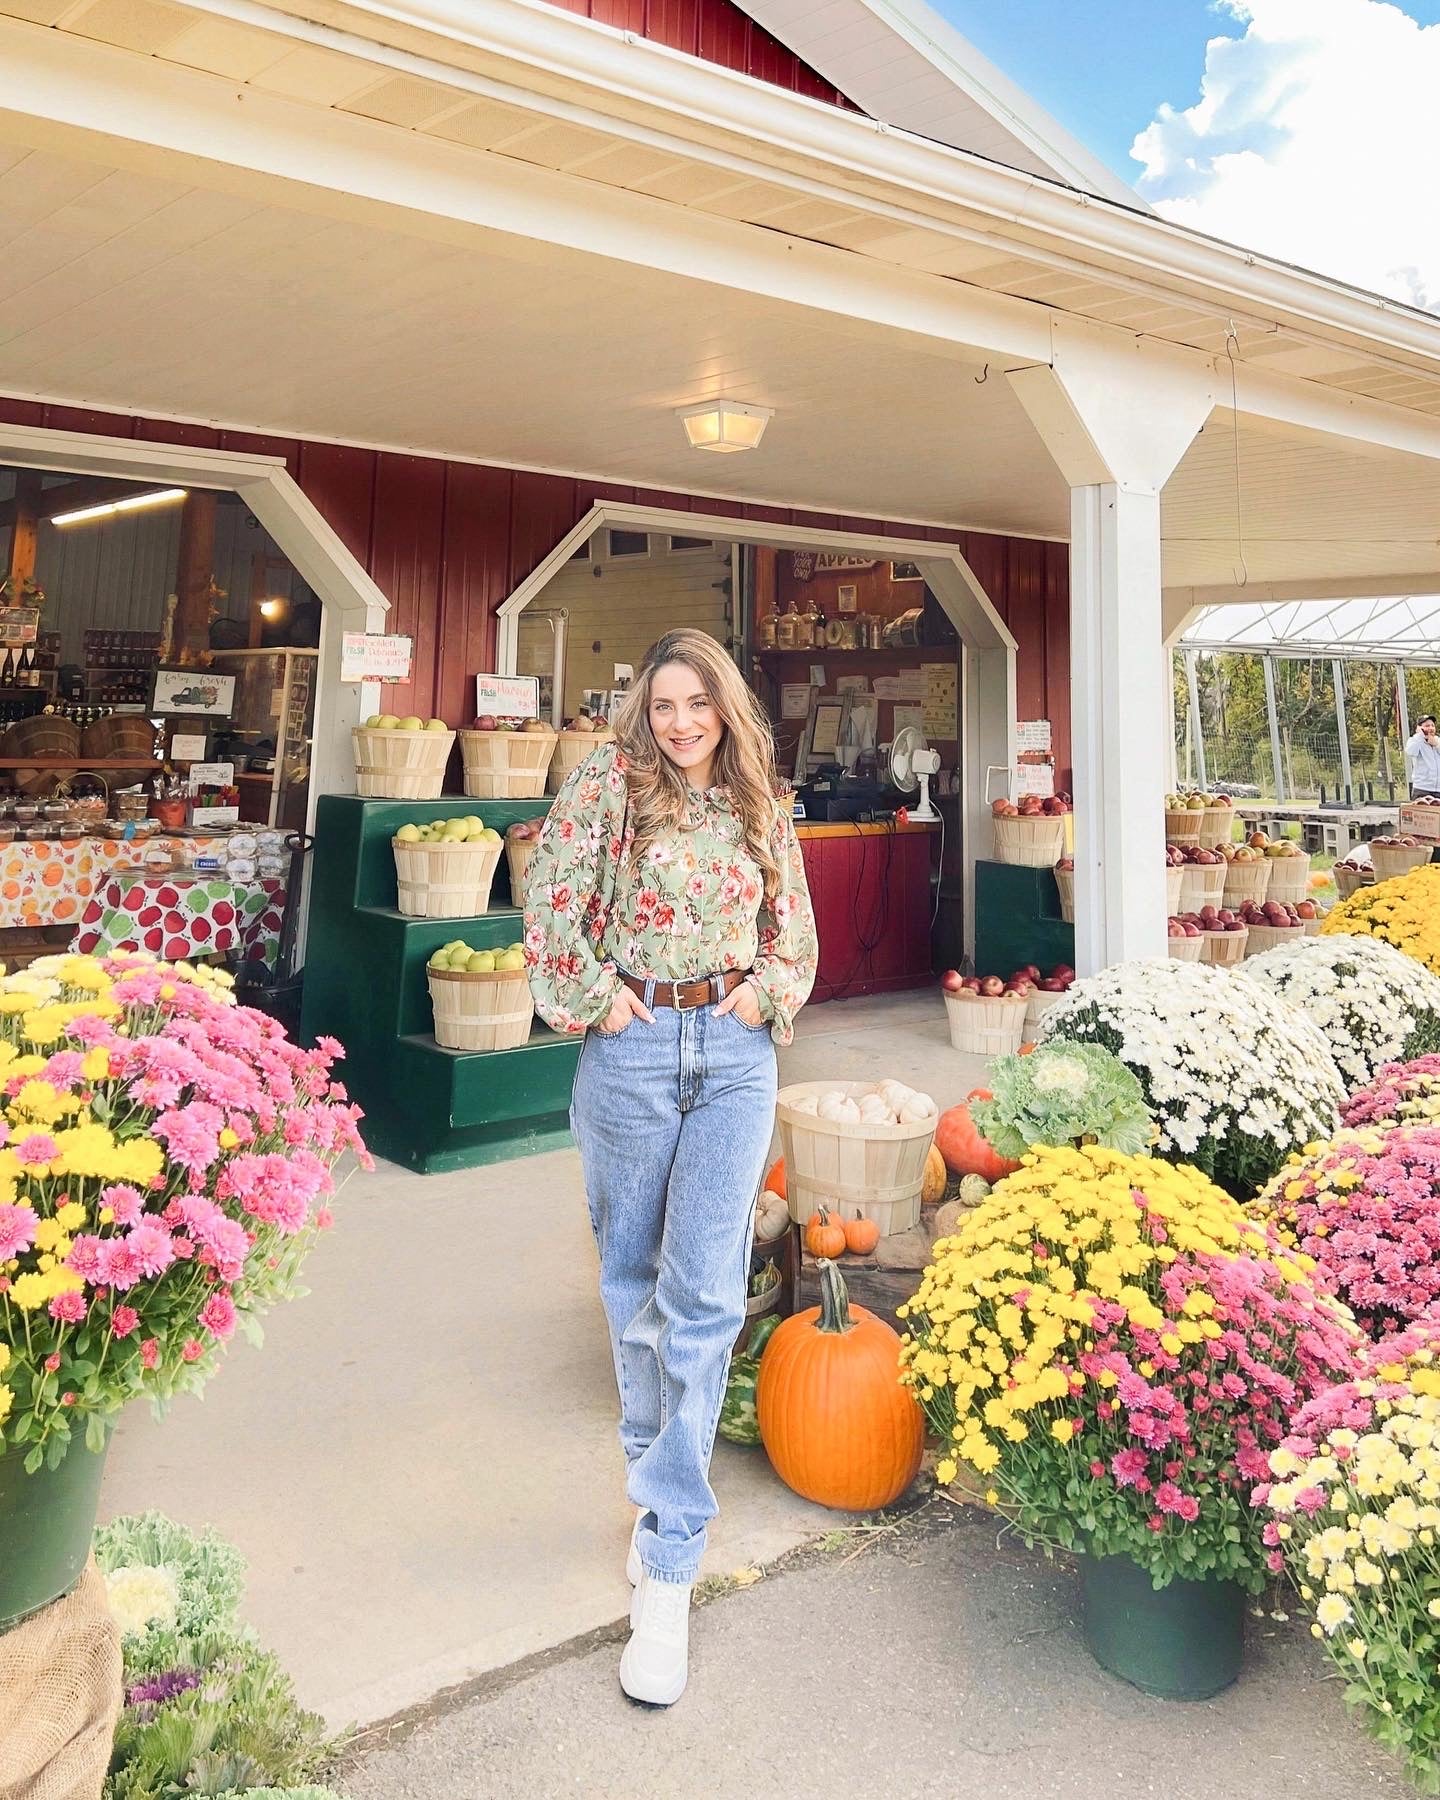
971 984
991 985
952 981
485 722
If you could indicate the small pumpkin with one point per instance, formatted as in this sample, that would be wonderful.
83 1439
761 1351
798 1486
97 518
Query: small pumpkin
775 1178
965 1151
973 1189
824 1234
932 1187
861 1235
772 1216
836 1424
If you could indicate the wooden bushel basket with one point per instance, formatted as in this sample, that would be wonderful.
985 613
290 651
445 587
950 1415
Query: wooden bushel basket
572 748
849 1166
401 765
1202 884
1183 826
506 765
1186 949
1289 879
1065 882
1031 842
1347 880
1269 937
1223 949
1217 826
518 852
1246 881
444 881
1398 859
121 734
987 1024
481 1011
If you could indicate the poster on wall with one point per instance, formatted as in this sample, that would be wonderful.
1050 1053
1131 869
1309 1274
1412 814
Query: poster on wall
940 701
197 692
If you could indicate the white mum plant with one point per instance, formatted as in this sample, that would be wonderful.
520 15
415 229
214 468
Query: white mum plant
1235 1077
1375 1004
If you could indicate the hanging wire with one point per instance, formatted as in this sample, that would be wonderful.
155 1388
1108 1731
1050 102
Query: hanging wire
1232 339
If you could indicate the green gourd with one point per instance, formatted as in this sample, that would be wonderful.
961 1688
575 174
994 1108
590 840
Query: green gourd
738 1422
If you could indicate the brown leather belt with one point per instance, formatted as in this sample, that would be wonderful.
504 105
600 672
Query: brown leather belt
689 994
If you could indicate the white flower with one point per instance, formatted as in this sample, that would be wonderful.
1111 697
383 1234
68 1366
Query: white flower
141 1595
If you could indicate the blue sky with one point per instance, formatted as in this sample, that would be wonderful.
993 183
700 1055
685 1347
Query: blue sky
1103 67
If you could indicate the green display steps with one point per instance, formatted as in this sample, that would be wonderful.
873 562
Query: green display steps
427 1108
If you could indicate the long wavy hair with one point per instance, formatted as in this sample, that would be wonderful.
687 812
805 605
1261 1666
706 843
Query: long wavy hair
744 762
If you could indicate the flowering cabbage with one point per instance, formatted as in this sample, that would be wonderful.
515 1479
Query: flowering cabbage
1063 1093
1113 1348
1235 1078
1371 1000
1366 1206
1401 1094
1403 911
1356 1518
165 1166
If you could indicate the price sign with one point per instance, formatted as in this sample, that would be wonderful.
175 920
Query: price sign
367 656
507 696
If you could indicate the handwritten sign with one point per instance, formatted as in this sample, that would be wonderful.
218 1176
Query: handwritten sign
368 656
940 701
507 696
1032 734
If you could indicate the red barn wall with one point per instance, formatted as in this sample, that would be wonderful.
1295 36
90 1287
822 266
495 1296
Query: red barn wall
446 542
716 31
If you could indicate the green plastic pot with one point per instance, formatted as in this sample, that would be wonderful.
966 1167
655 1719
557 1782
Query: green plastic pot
1181 1642
46 1523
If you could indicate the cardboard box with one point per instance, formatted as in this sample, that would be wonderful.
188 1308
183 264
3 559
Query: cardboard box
1421 822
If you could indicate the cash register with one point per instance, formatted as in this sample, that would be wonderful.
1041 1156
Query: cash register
830 794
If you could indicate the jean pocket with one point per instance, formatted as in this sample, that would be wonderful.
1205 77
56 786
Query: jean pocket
611 1036
759 1030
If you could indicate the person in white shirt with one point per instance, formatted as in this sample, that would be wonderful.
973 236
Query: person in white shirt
1422 761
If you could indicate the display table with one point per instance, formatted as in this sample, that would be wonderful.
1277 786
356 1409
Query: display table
178 916
51 881
870 889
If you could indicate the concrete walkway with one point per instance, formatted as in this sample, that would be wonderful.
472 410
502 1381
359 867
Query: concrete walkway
422 1466
935 1662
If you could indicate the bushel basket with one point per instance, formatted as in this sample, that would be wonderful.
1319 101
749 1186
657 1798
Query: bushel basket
1186 949
401 765
1246 881
1065 885
1224 949
1268 937
506 765
849 1166
1032 841
1389 860
1183 826
986 1024
444 881
481 1011
1289 879
572 748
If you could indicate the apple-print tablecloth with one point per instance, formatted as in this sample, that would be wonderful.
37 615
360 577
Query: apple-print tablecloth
177 916
52 881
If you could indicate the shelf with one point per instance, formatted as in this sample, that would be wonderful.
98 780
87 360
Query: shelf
79 762
891 651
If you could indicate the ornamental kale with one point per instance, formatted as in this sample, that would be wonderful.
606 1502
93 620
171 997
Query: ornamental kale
1064 1093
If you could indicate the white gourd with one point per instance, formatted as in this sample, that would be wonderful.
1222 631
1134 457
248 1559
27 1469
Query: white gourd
916 1109
874 1111
894 1093
832 1106
807 1103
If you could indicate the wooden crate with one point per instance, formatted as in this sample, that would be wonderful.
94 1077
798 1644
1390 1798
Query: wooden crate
849 1166
881 1281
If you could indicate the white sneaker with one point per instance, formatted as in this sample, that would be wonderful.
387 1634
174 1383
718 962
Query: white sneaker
655 1663
633 1571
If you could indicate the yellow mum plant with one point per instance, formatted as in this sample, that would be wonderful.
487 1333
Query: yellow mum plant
1114 1349
1404 911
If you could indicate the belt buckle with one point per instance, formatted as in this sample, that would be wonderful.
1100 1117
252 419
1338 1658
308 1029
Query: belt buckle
683 1005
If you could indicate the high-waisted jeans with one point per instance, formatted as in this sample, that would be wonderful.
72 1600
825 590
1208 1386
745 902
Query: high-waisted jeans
673 1121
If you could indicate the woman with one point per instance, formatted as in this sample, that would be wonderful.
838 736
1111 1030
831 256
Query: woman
1422 761
667 917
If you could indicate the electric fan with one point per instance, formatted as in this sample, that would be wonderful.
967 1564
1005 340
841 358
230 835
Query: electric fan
912 763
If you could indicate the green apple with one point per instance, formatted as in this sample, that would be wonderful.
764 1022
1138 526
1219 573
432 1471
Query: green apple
460 959
482 963
440 959
410 723
489 836
519 947
436 725
472 824
510 960
385 722
373 722
454 833
408 834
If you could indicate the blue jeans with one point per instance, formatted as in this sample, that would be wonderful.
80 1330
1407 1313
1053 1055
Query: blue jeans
673 1121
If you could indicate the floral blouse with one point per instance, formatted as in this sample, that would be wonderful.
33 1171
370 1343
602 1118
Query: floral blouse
694 907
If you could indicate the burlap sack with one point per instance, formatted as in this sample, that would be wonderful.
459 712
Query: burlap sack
60 1694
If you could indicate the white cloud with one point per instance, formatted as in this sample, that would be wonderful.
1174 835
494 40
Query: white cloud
1314 140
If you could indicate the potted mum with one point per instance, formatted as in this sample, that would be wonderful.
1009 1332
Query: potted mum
1403 911
1353 1515
1236 1079
1113 1348
1372 1002
1366 1207
1063 1093
1405 1093
166 1166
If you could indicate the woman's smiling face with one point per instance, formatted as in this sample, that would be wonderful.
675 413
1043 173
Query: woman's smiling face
685 724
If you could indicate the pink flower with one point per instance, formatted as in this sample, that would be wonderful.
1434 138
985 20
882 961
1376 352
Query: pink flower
324 1218
118 1266
192 1350
218 1315
127 1203
150 1353
124 1320
36 1149
150 1244
52 1363
1188 1508
17 1229
1128 1466
69 1308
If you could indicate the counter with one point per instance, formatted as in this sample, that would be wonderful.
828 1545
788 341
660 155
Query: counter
870 888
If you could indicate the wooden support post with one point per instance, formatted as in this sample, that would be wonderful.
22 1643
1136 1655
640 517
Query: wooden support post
193 577
24 532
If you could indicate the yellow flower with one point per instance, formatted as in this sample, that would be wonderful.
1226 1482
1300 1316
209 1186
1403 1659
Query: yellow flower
945 1471
1063 1429
71 1215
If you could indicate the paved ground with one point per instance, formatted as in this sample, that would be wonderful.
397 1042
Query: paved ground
421 1464
933 1663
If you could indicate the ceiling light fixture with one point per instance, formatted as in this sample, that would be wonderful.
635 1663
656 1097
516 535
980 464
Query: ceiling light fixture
133 504
724 425
271 609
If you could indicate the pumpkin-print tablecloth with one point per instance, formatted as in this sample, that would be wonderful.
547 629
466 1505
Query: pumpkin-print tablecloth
46 881
177 916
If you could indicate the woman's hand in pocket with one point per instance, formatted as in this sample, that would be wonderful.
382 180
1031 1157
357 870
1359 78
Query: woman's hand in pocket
627 1008
744 1002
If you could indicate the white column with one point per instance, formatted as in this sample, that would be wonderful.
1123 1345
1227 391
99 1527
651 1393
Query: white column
1120 708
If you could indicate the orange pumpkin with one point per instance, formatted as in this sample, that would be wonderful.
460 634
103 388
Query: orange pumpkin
835 1422
775 1178
824 1234
861 1235
932 1187
965 1151
1025 1050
